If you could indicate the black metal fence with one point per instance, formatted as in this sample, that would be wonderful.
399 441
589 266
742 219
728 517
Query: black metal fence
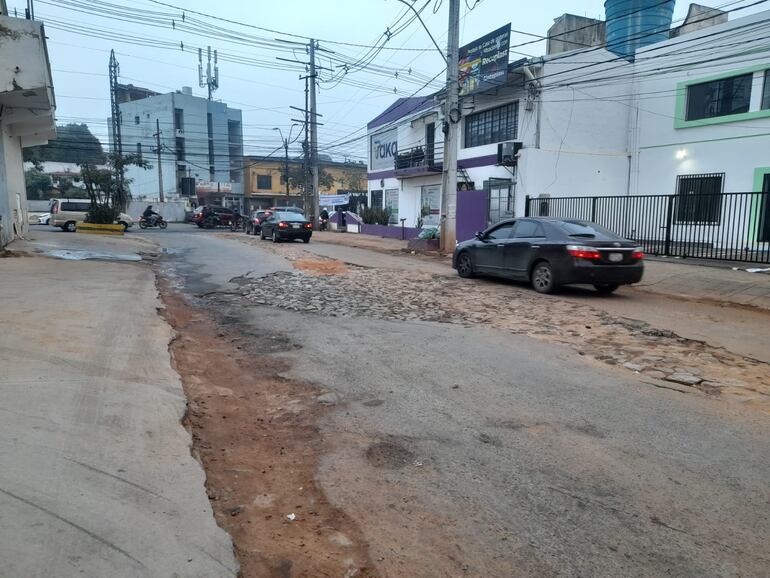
726 226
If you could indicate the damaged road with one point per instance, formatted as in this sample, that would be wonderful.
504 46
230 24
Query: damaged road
406 433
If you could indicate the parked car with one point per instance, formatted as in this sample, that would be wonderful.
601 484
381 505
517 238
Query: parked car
550 252
286 226
253 225
210 216
44 219
65 213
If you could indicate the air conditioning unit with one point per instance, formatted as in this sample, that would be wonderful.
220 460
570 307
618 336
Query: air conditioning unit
507 153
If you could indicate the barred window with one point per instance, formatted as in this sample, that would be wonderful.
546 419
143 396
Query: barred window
699 198
492 126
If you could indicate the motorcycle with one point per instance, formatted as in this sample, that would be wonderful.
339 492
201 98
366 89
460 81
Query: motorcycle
323 224
156 222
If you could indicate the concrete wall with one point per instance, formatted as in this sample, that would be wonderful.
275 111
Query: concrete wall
172 211
13 192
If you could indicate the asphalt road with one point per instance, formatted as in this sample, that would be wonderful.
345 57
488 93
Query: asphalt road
465 451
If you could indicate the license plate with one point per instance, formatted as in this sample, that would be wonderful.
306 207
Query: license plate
616 257
295 226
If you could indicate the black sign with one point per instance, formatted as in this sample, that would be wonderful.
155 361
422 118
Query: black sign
484 63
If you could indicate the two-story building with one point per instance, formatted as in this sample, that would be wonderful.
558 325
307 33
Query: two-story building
265 181
27 104
659 111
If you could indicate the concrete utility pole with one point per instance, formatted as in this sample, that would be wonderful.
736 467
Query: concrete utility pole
451 127
313 136
117 142
160 166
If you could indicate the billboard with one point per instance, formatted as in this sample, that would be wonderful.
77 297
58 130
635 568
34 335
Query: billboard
383 148
484 62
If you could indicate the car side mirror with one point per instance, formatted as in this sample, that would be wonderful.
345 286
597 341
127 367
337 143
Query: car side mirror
479 235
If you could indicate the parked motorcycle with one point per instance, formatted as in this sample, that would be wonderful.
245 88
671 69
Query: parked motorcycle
156 222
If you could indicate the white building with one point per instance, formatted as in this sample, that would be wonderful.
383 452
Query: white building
688 114
27 104
200 139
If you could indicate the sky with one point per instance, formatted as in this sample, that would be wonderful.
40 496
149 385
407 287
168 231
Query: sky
157 49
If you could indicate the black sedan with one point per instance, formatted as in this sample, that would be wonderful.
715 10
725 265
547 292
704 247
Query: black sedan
286 226
253 224
551 252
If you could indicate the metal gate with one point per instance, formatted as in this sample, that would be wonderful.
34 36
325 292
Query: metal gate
693 223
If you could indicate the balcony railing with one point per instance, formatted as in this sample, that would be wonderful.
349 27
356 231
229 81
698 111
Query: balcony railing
420 160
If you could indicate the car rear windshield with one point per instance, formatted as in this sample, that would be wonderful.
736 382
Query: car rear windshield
586 230
287 216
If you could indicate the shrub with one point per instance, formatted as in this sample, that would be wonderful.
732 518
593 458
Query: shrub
101 214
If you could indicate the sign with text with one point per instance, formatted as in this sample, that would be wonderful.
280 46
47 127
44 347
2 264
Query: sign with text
484 62
383 148
333 200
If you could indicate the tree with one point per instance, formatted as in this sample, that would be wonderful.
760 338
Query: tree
108 198
297 178
39 184
353 178
74 143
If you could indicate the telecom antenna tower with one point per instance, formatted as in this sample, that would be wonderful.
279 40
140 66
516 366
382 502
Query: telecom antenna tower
210 81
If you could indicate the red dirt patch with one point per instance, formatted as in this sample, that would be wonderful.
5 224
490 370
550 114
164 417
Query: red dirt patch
321 267
255 434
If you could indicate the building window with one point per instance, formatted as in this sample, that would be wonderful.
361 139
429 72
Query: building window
137 119
699 198
766 91
719 97
265 182
179 119
377 199
139 150
492 126
180 149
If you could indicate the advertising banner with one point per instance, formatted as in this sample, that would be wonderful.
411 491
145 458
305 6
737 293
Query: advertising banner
333 200
484 62
383 148
430 202
391 202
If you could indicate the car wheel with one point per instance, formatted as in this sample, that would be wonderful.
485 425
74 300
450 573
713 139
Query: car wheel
70 226
48 221
464 265
124 225
275 236
542 278
262 234
306 239
606 288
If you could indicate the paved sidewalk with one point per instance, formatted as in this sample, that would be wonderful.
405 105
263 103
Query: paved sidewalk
96 474
689 281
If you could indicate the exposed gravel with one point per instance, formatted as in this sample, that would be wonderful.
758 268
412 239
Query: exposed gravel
358 292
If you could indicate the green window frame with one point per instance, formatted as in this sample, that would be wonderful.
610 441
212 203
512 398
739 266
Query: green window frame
680 114
766 92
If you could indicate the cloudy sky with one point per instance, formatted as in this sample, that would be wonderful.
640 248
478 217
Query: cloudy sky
157 49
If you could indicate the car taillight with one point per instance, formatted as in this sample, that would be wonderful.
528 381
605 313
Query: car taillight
638 253
308 225
256 220
282 225
583 252
55 208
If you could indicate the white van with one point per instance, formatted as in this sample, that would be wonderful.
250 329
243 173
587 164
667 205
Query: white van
65 213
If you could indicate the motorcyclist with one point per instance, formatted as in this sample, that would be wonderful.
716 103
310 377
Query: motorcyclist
150 216
324 218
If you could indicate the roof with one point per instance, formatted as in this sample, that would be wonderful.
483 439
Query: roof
401 108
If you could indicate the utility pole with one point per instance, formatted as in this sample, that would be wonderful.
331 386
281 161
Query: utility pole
305 151
314 136
160 166
117 142
451 127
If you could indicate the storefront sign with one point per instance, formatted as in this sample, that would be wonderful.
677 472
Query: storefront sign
484 63
213 187
383 148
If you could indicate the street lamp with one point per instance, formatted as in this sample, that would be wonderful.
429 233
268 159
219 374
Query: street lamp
286 142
